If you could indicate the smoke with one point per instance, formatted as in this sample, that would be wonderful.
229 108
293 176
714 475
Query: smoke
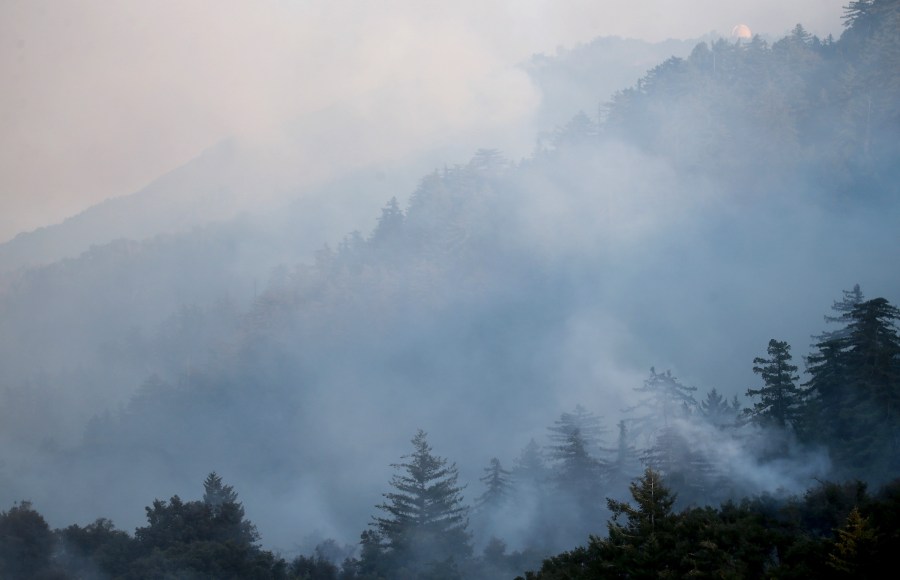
512 291
101 99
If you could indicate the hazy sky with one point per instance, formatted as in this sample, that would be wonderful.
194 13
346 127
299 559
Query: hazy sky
100 97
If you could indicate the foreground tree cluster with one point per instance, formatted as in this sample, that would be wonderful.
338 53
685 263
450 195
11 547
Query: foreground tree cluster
833 531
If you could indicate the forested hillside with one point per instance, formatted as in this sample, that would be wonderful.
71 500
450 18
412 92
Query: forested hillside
636 306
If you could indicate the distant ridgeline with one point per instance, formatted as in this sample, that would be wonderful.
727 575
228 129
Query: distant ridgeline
826 109
467 312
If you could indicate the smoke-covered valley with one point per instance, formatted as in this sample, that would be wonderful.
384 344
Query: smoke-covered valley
295 341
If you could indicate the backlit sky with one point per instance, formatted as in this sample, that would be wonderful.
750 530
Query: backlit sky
100 97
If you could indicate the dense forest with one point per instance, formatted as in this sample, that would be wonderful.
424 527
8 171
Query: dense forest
425 529
535 321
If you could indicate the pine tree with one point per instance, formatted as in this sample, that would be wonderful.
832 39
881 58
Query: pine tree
825 394
425 519
843 307
676 456
854 392
717 411
665 411
873 364
216 493
853 548
664 400
227 512
641 546
498 487
390 224
575 439
589 429
780 399
529 469
626 463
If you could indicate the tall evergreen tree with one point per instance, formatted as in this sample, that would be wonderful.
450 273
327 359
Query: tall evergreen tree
580 428
216 493
843 308
641 536
854 392
390 225
664 399
873 364
579 472
529 469
779 399
498 487
425 518
626 463
825 394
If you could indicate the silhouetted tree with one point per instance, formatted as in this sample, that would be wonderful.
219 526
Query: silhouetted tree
717 411
779 399
529 469
425 520
206 539
498 487
664 399
97 546
26 544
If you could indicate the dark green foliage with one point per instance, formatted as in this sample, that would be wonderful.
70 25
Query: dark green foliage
96 547
641 536
779 399
781 94
851 554
26 544
759 538
204 539
312 568
424 529
854 392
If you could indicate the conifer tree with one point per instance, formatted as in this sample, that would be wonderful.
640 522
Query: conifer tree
843 308
498 487
854 392
718 411
779 399
390 224
641 536
575 439
825 393
853 548
580 424
873 365
425 519
664 399
626 463
529 469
